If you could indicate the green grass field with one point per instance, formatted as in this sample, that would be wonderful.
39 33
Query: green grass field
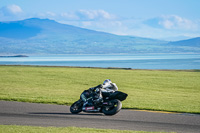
34 129
176 91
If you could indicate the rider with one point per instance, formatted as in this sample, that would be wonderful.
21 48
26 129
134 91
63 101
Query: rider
94 95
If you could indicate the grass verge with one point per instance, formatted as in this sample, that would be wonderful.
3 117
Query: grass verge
175 91
34 129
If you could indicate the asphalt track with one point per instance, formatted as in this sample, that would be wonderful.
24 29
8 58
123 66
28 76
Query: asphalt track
18 113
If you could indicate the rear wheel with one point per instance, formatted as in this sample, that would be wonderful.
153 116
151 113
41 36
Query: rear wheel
76 107
114 109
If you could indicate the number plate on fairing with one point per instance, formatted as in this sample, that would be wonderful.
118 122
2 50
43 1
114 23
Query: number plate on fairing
89 108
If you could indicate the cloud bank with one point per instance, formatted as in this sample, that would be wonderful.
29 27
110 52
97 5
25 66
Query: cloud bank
11 10
10 13
163 26
81 15
172 22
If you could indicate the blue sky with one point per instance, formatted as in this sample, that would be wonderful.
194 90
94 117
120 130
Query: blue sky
160 19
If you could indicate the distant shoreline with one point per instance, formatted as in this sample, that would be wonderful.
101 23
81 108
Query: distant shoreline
7 56
116 68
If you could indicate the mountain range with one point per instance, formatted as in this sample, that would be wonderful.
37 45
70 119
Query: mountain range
44 36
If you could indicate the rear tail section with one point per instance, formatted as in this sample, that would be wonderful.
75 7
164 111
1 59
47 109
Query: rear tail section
118 95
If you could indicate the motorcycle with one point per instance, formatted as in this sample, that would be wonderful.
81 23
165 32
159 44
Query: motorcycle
110 105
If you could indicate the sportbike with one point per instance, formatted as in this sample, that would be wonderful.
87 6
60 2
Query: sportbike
110 105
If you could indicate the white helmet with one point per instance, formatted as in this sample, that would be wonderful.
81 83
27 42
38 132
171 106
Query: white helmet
107 83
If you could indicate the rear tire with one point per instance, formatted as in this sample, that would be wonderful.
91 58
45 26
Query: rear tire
117 105
76 107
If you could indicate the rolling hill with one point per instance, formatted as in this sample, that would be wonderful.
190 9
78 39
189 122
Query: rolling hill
44 36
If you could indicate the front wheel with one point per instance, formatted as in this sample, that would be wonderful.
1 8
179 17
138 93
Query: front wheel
114 109
76 107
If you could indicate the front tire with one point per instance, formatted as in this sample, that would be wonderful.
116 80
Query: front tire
117 105
76 107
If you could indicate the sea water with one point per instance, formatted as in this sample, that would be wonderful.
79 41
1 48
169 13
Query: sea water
141 61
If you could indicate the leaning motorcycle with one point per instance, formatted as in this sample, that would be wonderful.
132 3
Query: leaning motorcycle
110 105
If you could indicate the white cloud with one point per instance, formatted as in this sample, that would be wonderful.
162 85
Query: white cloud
49 15
80 15
11 13
69 16
177 22
104 25
170 26
94 15
172 22
11 10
